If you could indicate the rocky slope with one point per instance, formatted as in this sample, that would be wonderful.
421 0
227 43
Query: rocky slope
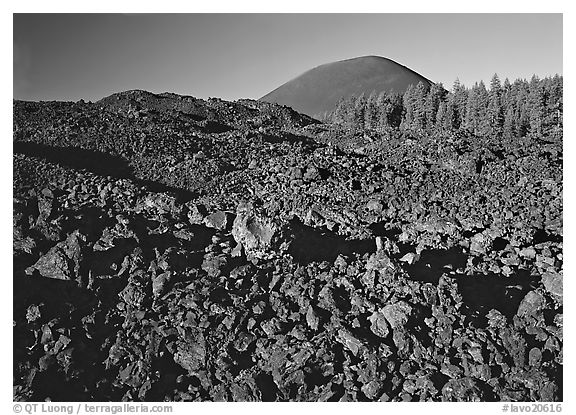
170 248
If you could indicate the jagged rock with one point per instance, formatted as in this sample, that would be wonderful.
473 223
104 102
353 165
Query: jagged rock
161 203
191 351
549 392
46 362
397 314
196 213
480 243
528 252
462 390
63 260
339 280
369 279
33 313
372 389
312 318
134 294
242 393
534 357
108 260
271 327
254 231
214 264
46 204
219 220
451 370
410 258
380 261
349 341
159 283
496 318
552 281
243 341
532 303
378 325
22 243
375 206
312 173
515 345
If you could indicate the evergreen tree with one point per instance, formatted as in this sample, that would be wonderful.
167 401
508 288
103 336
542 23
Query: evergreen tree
432 103
338 116
556 105
509 126
450 116
506 86
552 119
509 110
460 103
494 111
483 126
471 118
396 110
370 113
419 108
522 119
382 105
359 111
535 104
408 102
441 115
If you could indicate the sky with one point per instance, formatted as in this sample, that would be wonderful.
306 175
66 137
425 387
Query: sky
232 56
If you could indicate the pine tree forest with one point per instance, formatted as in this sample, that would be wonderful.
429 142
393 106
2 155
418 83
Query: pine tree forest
503 109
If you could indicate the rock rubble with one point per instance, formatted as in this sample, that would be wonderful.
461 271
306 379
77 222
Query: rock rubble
170 248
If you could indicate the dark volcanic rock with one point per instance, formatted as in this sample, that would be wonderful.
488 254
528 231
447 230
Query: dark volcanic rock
378 325
397 314
168 248
219 220
254 231
62 261
532 303
191 351
552 281
462 390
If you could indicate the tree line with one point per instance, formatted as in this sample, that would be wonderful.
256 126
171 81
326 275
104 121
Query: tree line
505 109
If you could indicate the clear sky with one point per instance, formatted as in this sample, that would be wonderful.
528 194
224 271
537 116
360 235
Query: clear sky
232 56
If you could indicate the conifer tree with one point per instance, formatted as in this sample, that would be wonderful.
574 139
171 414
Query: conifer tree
509 110
408 102
509 126
432 103
460 103
381 111
471 118
494 111
535 104
420 106
359 111
522 111
370 113
450 116
556 106
483 127
441 114
338 116
396 110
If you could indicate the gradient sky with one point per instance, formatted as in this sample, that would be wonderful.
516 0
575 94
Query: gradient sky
232 56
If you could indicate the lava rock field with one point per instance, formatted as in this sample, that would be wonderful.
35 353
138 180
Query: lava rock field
168 248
